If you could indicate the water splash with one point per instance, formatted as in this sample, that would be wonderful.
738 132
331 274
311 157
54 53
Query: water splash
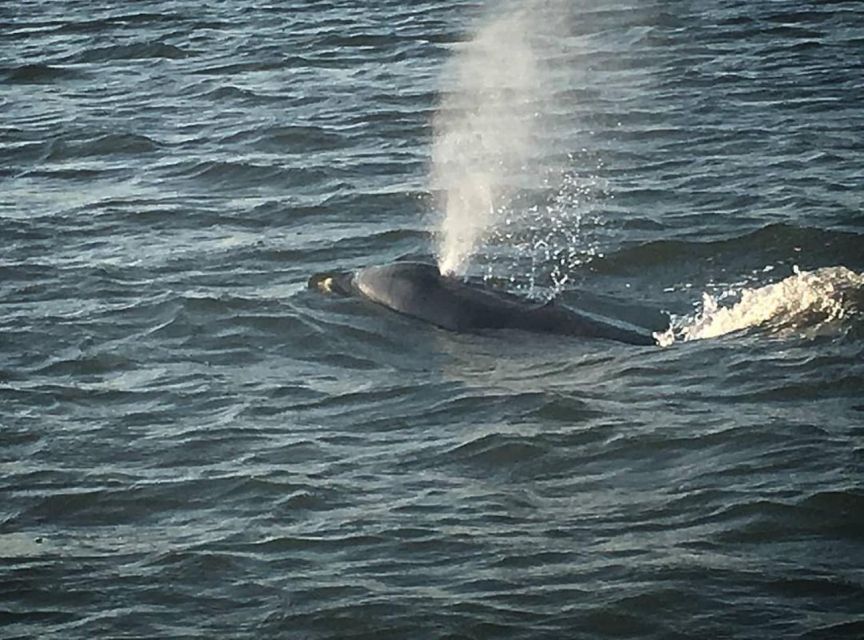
805 301
538 245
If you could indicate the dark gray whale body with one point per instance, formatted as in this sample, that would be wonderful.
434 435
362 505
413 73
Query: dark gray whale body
420 291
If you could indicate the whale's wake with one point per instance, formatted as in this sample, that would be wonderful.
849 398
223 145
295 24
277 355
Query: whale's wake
807 302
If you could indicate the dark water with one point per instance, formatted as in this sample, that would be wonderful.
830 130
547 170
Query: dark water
195 445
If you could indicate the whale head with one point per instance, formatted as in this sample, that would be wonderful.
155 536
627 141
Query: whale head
334 282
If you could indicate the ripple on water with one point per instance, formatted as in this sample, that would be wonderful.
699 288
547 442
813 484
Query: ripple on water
195 445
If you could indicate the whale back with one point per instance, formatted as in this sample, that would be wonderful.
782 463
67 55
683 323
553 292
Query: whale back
420 291
416 290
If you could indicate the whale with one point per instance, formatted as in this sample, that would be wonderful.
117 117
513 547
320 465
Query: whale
419 290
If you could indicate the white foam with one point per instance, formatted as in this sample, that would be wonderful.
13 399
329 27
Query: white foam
805 300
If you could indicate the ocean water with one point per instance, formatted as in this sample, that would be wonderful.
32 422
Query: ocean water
195 445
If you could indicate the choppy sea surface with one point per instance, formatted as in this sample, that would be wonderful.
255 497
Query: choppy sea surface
195 445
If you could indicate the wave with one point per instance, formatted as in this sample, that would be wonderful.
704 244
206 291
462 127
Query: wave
805 302
304 139
40 73
70 25
775 242
228 173
133 51
101 145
